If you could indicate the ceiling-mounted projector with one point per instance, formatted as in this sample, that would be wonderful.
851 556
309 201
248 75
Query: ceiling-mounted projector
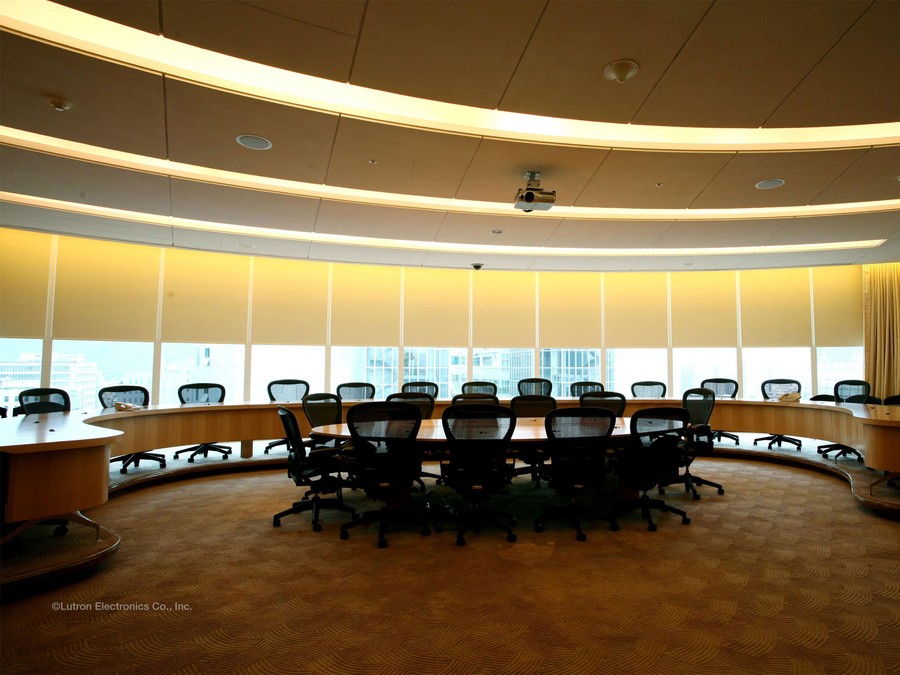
531 197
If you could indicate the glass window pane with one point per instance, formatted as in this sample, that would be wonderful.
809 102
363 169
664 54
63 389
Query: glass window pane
194 362
565 366
504 367
281 362
770 363
82 367
445 366
20 368
690 366
839 363
376 365
627 366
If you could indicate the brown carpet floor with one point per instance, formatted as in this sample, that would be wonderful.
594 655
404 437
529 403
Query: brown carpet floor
785 573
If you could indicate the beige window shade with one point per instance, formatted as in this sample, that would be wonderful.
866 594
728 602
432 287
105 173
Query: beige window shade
838 306
635 309
24 276
775 310
365 305
503 309
704 309
205 297
436 308
105 291
290 302
570 309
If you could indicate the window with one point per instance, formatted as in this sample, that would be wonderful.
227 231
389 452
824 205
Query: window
565 366
376 365
281 362
838 363
184 363
627 366
770 363
504 367
82 367
445 366
690 366
20 368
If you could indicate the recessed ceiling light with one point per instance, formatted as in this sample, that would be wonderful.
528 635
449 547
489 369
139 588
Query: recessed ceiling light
770 184
496 231
252 142
621 70
373 161
59 104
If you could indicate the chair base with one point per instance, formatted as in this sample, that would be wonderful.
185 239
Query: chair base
890 477
842 451
274 444
690 482
646 503
474 519
316 504
135 459
204 449
573 512
779 439
719 435
385 516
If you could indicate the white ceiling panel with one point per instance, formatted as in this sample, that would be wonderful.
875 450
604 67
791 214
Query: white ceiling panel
140 14
464 261
365 255
874 176
573 233
710 234
845 228
363 220
516 230
240 244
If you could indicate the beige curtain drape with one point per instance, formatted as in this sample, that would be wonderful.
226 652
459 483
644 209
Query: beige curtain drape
882 324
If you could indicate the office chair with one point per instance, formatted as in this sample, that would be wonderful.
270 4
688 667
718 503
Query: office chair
285 390
611 400
698 439
425 403
385 462
478 437
535 386
771 391
723 387
578 441
894 399
847 391
2 412
202 392
318 472
532 405
429 388
322 409
576 389
356 391
135 395
44 400
823 397
475 397
650 455
648 389
478 387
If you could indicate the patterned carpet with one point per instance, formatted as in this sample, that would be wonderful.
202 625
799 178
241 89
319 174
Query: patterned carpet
785 573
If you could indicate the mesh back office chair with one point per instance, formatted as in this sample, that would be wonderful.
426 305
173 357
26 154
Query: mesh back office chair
648 389
44 400
385 462
651 455
577 441
430 388
318 472
479 387
285 390
611 400
322 409
847 391
576 389
202 392
535 386
135 395
475 397
478 437
425 403
723 388
771 391
894 399
356 391
698 439
532 405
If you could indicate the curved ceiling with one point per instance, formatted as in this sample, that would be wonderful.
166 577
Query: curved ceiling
401 130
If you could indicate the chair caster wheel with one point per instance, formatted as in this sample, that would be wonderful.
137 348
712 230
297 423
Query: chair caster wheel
661 491
317 527
511 538
614 527
439 528
162 465
123 470
190 460
696 496
685 521
652 527
581 536
460 541
60 530
276 522
382 543
859 459
538 527
721 491
426 532
345 534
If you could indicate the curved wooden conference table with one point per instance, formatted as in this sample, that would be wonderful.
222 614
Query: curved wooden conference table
58 463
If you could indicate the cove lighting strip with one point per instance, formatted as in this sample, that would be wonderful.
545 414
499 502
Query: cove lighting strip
92 35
